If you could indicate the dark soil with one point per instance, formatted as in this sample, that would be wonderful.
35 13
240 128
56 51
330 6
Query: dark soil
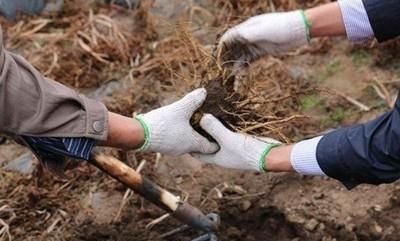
220 102
155 69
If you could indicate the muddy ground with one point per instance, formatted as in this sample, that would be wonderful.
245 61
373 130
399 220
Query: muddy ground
130 60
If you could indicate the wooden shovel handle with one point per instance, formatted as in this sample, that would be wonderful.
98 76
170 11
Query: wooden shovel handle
152 192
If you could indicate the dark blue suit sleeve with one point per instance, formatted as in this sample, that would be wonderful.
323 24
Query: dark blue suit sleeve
365 153
384 17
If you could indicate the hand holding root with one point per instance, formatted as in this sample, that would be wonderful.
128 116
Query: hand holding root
237 151
168 130
270 33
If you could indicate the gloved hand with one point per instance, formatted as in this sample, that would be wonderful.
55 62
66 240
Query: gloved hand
168 129
237 151
265 34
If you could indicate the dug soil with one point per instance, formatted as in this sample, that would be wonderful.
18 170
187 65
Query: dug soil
135 61
219 102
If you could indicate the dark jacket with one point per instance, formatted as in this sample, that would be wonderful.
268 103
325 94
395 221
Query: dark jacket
384 16
370 152
365 153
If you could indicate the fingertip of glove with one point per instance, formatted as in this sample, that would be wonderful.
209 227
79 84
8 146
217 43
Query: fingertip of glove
198 95
212 148
213 126
192 100
227 36
207 120
202 92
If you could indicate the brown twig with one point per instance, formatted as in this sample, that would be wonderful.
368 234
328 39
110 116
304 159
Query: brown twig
361 106
383 92
262 125
128 193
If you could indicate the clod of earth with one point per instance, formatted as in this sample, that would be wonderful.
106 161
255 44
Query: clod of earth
220 102
248 100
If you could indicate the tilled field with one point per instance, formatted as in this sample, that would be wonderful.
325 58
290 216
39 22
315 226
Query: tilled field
136 60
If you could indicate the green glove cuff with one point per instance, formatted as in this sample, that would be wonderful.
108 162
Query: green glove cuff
261 162
307 24
146 130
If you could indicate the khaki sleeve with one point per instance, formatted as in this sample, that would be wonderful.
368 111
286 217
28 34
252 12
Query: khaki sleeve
33 105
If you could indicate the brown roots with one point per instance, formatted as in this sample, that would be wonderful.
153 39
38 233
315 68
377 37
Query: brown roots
259 100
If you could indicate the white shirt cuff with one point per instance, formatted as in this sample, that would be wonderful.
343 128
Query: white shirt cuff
356 21
304 157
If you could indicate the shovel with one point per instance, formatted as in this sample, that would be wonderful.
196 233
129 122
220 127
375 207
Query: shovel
182 211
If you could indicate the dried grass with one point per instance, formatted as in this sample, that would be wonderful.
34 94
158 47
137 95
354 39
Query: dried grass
86 47
83 48
89 47
262 100
265 101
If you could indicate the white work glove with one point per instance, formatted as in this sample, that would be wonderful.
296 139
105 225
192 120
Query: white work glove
168 130
237 151
265 34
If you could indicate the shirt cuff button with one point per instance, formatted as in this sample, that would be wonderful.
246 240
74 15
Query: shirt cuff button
97 126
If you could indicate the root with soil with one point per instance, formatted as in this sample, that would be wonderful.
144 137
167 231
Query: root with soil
260 101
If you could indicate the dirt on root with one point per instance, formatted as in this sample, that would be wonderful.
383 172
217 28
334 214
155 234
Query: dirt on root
220 102
137 60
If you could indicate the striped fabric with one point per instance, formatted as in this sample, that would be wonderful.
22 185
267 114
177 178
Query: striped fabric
304 157
52 151
358 28
356 21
